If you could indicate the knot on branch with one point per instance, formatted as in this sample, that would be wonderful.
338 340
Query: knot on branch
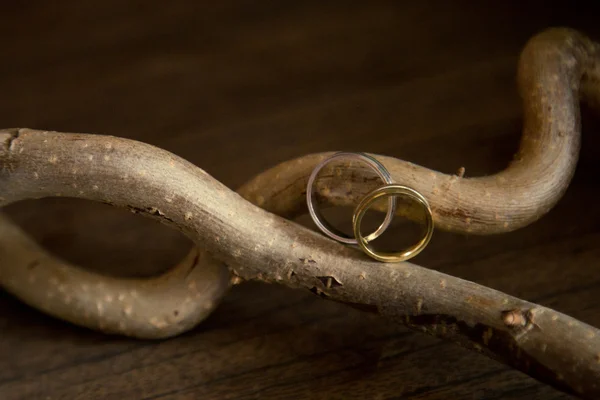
250 231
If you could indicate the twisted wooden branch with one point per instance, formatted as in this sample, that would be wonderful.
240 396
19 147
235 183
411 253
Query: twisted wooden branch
247 233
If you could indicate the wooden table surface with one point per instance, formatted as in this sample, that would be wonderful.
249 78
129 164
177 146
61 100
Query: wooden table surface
236 87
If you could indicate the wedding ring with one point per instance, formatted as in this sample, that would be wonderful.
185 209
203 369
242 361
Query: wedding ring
318 218
391 191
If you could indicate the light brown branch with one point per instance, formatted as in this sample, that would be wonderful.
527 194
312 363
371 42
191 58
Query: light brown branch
550 70
259 243
145 308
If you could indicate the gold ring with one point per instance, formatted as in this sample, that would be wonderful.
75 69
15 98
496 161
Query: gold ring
367 202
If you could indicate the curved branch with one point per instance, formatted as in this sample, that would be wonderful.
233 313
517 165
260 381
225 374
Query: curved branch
143 308
551 68
256 243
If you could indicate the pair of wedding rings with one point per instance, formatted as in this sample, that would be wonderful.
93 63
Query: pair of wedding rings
390 190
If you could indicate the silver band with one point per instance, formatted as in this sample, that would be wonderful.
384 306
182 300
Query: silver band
318 218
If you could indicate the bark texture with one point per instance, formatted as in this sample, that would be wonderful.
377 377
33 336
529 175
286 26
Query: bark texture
247 234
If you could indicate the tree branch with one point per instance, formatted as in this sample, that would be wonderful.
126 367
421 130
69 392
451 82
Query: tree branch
249 232
551 68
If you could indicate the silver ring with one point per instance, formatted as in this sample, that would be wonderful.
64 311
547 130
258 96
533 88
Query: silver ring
318 218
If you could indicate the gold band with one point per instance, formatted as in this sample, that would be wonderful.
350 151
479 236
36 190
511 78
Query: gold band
386 191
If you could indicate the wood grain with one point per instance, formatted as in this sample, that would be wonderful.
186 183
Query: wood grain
241 87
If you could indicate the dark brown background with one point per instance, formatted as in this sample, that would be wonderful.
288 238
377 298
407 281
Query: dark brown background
237 87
